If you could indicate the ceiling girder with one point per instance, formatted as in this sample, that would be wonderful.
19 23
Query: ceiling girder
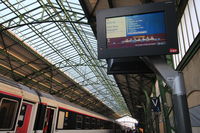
58 13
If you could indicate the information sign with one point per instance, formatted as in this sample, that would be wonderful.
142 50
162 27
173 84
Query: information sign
142 30
136 30
155 104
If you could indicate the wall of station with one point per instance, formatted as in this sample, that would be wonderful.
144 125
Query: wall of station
192 82
189 41
192 75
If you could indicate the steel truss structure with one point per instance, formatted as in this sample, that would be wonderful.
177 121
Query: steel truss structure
58 31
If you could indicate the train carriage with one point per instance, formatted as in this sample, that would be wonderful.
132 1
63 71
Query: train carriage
24 110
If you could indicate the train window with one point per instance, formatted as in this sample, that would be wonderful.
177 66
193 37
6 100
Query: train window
66 120
107 125
61 116
87 122
63 120
93 123
79 119
101 124
98 123
78 125
87 119
8 111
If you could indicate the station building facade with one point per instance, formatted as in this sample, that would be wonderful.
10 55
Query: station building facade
188 60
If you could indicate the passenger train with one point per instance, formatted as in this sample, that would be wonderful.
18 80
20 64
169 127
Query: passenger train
24 110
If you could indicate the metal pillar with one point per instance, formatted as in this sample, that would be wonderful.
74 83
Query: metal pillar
174 80
167 125
156 114
149 126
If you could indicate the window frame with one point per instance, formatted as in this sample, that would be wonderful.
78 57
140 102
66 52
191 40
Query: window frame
65 121
87 122
15 113
57 125
79 121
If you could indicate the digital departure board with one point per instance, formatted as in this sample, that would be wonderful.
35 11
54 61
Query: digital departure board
136 30
142 30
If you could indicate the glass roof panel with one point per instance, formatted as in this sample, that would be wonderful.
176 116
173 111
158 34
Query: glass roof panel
53 29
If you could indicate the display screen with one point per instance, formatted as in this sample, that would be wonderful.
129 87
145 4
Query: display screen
136 30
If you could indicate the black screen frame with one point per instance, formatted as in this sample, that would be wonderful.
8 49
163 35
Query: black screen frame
170 25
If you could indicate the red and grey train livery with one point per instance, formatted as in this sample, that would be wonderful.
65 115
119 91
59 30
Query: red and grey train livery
24 110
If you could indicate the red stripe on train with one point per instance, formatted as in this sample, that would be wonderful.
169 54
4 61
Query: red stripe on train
10 94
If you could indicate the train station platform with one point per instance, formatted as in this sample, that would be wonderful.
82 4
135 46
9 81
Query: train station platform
51 79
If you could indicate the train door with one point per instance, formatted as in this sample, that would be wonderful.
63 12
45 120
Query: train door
48 120
24 118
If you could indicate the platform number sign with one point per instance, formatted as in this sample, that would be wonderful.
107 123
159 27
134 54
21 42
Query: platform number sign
155 104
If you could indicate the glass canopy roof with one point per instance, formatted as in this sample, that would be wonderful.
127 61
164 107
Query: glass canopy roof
58 30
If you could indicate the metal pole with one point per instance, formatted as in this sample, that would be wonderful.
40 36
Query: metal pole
156 114
149 122
167 124
182 118
174 80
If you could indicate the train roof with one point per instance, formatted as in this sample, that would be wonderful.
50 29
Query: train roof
27 89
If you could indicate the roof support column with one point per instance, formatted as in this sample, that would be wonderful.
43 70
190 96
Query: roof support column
175 81
155 114
166 112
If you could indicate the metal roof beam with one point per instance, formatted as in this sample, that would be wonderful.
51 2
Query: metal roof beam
110 2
